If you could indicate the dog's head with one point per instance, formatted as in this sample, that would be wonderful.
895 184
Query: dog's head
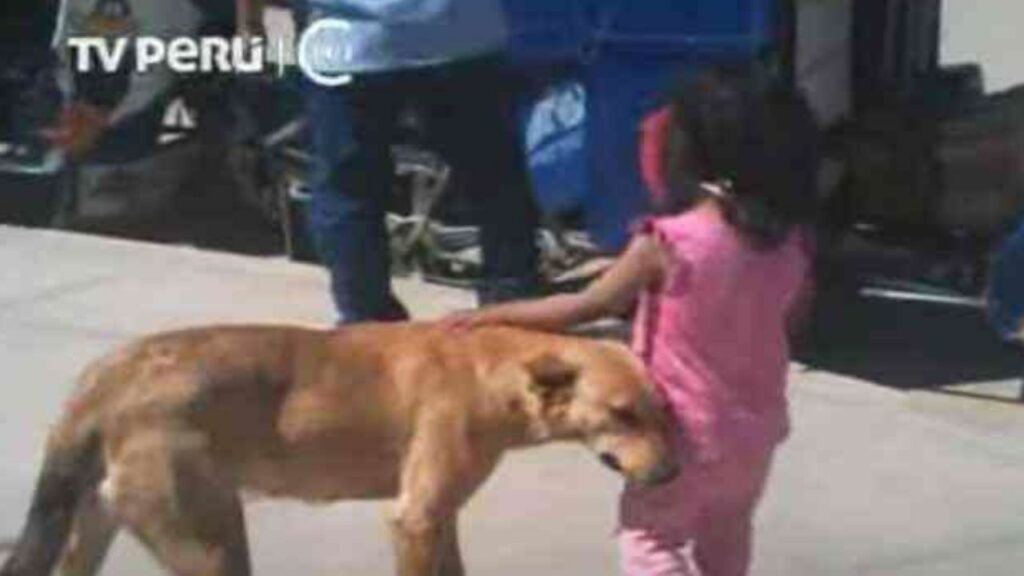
605 400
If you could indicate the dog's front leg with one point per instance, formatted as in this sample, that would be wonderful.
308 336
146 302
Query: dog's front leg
424 545
417 539
426 506
451 555
441 471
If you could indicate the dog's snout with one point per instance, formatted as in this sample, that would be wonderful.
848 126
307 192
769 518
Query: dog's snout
665 472
611 461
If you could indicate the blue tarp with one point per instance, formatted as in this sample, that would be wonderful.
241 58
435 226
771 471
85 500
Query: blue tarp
617 59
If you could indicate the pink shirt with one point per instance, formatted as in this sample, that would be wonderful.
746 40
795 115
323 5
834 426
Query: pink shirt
713 332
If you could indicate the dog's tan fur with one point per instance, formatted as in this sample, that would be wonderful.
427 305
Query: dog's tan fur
161 436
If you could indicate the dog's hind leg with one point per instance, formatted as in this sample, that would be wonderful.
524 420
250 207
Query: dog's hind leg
169 493
92 533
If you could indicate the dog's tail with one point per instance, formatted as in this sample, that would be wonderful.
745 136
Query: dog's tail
70 470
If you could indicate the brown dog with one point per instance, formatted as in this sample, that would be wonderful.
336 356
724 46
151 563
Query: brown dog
162 435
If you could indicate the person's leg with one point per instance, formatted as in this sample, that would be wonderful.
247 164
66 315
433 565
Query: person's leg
725 529
350 183
1006 287
657 525
644 554
470 108
724 543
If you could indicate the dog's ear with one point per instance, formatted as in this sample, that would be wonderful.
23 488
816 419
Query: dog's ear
552 378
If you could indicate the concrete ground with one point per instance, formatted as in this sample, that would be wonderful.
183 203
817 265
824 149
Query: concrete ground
873 482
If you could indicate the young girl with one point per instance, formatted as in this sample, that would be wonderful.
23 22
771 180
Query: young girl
715 285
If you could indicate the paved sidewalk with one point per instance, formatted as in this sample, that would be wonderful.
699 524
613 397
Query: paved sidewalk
873 481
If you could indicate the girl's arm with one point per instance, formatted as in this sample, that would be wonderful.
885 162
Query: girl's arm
613 293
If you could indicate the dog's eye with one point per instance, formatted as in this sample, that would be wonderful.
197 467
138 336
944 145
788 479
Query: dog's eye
627 416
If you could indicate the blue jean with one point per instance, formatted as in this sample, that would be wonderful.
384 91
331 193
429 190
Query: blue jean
469 119
1006 287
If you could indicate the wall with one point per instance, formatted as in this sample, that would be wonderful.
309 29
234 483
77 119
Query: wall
990 32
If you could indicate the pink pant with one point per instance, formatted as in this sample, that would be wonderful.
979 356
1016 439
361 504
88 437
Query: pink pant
698 524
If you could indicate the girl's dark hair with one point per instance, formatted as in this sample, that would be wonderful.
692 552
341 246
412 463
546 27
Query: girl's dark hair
742 128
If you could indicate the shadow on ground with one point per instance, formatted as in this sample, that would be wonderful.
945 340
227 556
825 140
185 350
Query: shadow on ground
206 212
222 228
906 345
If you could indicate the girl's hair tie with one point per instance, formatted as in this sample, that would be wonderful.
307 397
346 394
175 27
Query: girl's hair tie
721 189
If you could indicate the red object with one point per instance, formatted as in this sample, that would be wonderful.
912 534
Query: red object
653 136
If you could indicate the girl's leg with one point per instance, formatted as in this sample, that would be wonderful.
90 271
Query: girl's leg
644 554
657 525
725 543
724 531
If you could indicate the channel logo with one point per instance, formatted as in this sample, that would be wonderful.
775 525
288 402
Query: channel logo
322 46
325 45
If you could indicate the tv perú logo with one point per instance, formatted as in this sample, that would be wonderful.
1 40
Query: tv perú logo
322 52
